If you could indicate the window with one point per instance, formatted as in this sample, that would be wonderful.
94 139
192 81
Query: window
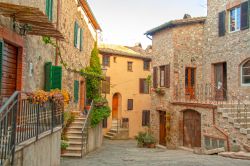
53 77
76 91
49 9
130 104
245 73
165 76
105 123
234 19
144 87
105 60
114 59
146 65
78 37
106 85
145 118
130 66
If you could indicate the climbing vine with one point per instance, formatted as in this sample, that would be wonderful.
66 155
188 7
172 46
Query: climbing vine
82 72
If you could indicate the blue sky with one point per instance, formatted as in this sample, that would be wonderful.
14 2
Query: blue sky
125 21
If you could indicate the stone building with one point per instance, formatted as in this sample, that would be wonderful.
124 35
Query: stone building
200 77
126 90
78 24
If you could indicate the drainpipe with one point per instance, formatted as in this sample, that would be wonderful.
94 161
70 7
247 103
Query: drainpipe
57 27
221 131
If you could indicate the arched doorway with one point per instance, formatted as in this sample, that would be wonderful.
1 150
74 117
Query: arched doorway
191 128
115 106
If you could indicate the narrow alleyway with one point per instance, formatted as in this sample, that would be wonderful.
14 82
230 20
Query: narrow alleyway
125 153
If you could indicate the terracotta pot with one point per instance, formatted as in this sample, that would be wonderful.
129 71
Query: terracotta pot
152 145
63 151
87 107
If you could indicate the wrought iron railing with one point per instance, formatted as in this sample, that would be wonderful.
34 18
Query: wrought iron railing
85 128
217 96
21 120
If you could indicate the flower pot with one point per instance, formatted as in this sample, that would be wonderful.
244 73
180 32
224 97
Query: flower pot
63 151
151 145
87 107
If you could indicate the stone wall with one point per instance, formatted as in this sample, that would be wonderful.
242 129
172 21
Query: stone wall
74 58
43 152
36 53
95 138
233 48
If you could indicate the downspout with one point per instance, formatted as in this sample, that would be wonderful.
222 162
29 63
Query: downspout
57 27
221 131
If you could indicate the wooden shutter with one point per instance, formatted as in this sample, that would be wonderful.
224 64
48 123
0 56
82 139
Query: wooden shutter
130 104
167 76
148 118
141 87
48 76
106 85
81 39
75 34
105 123
145 118
155 77
76 91
222 26
56 77
244 16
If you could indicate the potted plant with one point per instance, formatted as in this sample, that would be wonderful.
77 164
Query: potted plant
149 141
140 139
64 146
160 91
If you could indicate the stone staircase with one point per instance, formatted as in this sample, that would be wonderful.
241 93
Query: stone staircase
74 135
238 117
116 132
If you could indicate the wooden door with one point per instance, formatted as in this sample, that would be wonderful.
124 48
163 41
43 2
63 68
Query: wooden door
9 71
192 129
190 82
82 95
162 136
115 105
220 81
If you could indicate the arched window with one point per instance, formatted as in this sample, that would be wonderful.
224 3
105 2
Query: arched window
245 73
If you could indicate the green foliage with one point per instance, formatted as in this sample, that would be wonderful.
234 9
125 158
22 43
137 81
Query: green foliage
98 114
145 138
94 83
64 144
69 117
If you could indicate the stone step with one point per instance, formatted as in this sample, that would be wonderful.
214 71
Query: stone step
108 136
111 134
73 149
113 131
77 144
75 127
76 138
71 155
75 132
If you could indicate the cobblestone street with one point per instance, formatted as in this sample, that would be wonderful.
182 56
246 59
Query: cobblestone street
125 153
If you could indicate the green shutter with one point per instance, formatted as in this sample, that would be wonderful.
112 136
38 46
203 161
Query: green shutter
75 34
81 39
76 91
48 76
56 77
49 9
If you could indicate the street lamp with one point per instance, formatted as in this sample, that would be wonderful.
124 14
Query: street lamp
104 72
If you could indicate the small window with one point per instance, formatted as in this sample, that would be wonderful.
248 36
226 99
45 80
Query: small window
235 19
78 36
245 73
130 66
162 76
105 60
130 104
144 86
145 118
76 91
114 59
146 65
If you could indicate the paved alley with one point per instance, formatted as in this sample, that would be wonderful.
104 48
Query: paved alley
125 153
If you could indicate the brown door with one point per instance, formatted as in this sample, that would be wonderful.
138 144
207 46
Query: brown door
9 71
220 78
163 131
115 107
190 82
82 95
192 129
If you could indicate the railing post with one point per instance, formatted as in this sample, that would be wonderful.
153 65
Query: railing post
37 122
14 118
52 116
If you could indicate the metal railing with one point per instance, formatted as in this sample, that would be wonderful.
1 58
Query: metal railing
21 120
85 128
217 96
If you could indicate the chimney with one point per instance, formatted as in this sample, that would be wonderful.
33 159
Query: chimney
138 45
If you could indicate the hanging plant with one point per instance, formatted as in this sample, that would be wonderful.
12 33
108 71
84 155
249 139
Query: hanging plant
160 91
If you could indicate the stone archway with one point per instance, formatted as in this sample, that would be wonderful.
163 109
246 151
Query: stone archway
191 128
